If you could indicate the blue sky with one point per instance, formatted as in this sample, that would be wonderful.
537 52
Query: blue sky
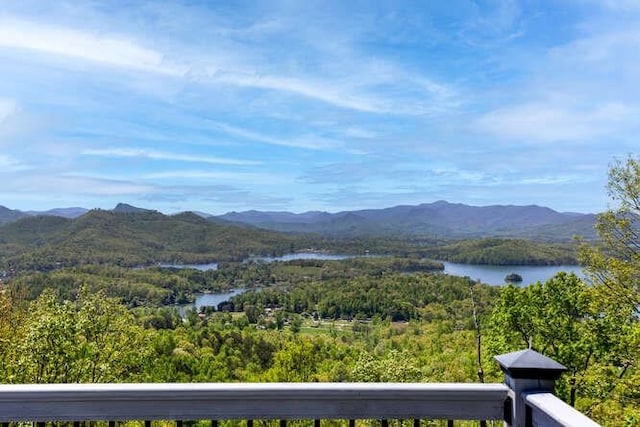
304 105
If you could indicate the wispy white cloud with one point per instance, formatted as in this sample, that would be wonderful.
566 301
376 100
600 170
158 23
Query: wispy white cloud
356 83
548 180
306 141
73 184
580 89
160 155
619 43
112 50
318 90
360 133
383 172
399 94
456 174
323 67
552 123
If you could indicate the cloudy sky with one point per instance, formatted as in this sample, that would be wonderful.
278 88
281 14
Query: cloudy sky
304 105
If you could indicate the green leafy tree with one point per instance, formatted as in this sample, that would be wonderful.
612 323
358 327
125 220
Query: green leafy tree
297 361
90 339
593 330
395 366
557 318
564 319
12 313
252 312
296 323
615 264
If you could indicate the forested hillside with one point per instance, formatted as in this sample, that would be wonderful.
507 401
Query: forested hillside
130 239
505 252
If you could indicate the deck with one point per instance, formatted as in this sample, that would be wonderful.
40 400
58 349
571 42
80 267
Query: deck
525 399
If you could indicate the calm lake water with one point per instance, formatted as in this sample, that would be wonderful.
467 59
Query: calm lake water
494 274
209 300
212 300
490 274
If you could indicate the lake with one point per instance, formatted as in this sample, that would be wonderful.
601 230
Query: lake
212 300
490 274
209 300
494 274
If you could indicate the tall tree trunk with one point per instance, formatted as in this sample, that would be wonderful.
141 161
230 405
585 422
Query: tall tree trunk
478 343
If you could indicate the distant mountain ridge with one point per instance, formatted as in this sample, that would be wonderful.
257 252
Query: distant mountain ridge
9 215
62 212
126 208
440 218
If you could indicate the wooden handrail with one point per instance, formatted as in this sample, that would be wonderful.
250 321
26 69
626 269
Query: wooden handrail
193 401
547 410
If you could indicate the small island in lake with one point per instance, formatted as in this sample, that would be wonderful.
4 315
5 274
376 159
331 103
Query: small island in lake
513 278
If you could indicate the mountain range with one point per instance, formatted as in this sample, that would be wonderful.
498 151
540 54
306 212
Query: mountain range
441 218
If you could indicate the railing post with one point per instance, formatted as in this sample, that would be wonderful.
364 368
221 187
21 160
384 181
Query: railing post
526 371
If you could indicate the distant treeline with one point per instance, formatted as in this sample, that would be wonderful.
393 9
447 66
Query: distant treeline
505 252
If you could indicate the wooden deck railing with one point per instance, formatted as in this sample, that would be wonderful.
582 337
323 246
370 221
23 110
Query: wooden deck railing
545 409
282 401
519 402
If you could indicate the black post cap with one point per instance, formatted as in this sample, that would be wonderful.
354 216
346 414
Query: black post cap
530 364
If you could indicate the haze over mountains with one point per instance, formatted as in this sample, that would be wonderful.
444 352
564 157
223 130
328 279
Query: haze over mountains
441 218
